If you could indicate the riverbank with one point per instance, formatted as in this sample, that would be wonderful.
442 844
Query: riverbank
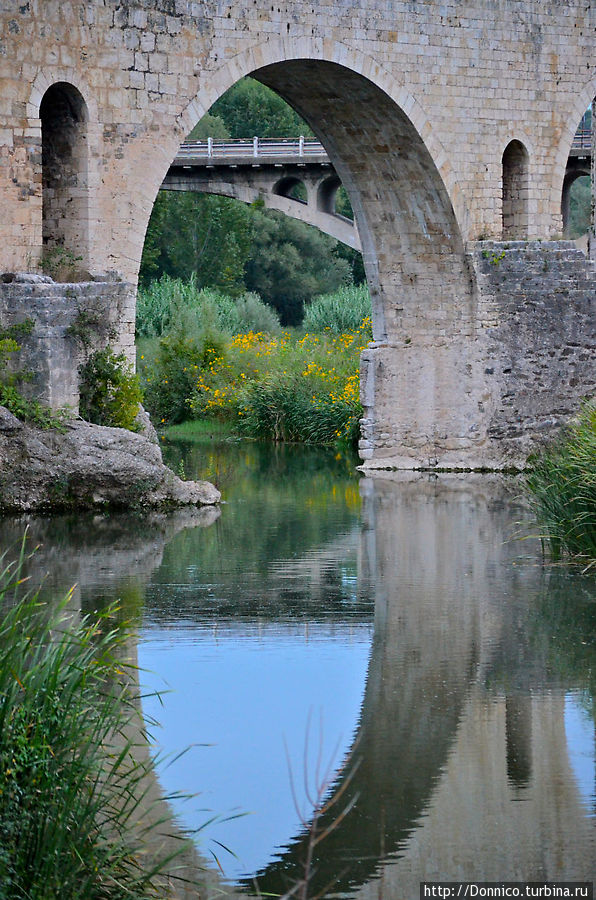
85 466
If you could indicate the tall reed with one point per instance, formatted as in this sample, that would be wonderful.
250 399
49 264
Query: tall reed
340 312
75 815
562 488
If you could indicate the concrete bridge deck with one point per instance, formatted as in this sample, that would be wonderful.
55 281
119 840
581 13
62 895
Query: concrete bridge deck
226 167
268 170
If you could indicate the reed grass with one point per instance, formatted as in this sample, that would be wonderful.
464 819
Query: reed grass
340 312
562 489
170 304
75 818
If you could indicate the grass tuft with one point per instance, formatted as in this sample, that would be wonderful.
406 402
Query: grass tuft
562 489
75 819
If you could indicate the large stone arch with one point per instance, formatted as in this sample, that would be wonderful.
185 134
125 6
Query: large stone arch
279 50
417 377
438 210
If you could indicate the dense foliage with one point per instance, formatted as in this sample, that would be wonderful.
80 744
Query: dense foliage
580 200
249 108
342 311
172 304
562 486
282 387
110 391
234 248
72 786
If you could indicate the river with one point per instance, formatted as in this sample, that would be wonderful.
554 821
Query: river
391 651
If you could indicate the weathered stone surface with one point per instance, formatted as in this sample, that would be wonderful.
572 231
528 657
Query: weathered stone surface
143 419
445 122
489 396
88 466
69 321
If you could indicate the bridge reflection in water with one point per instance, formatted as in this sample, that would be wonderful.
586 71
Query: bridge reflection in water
479 655
463 715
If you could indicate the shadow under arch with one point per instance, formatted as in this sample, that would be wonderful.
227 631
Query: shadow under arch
515 186
64 119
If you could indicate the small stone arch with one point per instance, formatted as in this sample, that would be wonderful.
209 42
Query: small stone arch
64 118
515 190
576 168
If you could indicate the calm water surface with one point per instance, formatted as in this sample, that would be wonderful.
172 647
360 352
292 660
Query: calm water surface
387 646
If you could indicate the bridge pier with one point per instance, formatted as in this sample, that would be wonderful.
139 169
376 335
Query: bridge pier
487 398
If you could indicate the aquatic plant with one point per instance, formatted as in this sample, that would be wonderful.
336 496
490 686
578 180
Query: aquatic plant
562 488
76 820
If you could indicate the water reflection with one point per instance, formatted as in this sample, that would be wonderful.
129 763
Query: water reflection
449 662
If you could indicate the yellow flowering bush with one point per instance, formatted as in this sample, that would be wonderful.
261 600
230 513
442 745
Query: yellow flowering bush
284 388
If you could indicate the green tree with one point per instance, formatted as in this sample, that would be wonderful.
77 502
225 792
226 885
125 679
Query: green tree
209 126
580 199
198 233
249 108
290 263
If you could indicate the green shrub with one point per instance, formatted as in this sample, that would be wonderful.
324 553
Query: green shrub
10 396
110 391
562 488
341 312
171 381
165 304
72 785
249 313
156 302
285 388
285 409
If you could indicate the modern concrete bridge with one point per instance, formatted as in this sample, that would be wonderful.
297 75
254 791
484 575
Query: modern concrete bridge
447 124
270 171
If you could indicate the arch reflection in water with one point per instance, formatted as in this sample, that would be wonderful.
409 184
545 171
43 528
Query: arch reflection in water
470 706
463 763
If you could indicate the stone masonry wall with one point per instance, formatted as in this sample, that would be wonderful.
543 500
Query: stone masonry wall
489 398
537 315
104 310
471 77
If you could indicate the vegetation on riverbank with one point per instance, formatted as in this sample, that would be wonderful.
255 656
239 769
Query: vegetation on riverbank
283 386
562 486
75 821
12 379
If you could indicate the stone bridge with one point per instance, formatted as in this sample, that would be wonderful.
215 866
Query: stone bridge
447 123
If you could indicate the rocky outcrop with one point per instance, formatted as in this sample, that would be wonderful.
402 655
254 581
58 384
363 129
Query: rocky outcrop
87 466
